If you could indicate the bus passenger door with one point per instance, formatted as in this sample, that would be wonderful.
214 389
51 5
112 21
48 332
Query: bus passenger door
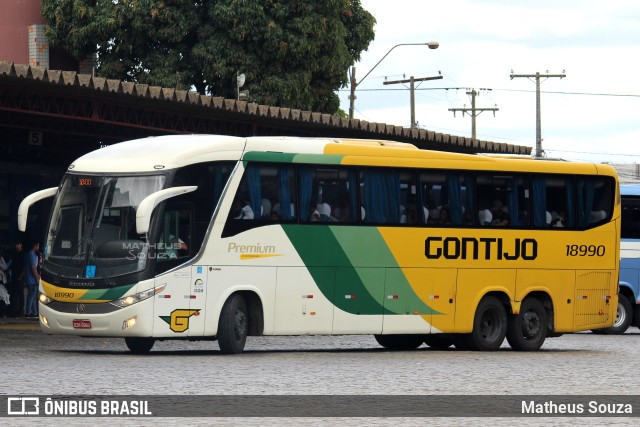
359 300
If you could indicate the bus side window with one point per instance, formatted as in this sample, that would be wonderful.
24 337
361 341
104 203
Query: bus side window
594 200
630 217
503 200
553 201
380 195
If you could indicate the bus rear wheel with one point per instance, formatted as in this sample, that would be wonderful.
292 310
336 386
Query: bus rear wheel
400 342
439 341
489 326
139 345
528 329
624 316
233 326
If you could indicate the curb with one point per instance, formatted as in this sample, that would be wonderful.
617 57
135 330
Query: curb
9 324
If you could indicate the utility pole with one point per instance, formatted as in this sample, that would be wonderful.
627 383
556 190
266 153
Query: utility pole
412 90
352 95
537 76
352 77
473 111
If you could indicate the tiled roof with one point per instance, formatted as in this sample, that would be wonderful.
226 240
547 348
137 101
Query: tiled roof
420 137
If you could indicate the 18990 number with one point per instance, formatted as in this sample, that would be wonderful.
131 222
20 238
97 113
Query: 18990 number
585 250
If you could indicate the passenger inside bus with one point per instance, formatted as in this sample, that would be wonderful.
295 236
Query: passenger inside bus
499 213
443 216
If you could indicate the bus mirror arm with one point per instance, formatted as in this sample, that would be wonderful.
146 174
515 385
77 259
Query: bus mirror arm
23 209
148 204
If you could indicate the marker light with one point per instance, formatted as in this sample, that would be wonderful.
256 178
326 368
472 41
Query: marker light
129 323
44 320
140 296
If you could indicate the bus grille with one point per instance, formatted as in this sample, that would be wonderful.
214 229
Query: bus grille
592 291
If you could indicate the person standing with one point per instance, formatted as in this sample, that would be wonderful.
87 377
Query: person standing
31 279
16 286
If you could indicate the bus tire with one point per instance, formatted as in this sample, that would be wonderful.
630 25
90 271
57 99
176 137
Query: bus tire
400 342
528 329
624 316
489 326
138 345
233 326
439 341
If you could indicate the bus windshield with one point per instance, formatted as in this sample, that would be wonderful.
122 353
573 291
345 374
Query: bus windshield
92 231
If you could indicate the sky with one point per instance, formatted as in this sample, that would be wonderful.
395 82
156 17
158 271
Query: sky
590 115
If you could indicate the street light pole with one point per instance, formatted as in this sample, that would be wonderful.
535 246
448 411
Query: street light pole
354 84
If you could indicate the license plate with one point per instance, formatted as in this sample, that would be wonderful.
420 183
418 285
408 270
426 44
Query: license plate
81 324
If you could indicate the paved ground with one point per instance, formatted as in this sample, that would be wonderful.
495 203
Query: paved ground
578 364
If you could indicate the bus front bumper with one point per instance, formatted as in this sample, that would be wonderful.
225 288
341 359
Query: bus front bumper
132 321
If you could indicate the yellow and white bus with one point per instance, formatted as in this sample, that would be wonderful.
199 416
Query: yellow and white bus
219 237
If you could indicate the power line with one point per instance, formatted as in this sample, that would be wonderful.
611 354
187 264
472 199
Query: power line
627 95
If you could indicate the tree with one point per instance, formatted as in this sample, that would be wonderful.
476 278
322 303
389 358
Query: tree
294 53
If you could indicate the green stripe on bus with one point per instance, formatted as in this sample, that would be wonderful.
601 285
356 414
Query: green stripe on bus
106 294
257 156
324 159
352 278
353 240
322 255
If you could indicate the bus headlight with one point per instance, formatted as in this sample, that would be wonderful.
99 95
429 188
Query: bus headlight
140 296
44 299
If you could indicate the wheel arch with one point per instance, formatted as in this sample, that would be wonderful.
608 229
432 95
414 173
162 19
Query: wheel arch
503 297
464 320
547 302
255 309
625 290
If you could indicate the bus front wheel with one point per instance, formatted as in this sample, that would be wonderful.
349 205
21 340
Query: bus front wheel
233 326
489 326
139 345
400 342
528 329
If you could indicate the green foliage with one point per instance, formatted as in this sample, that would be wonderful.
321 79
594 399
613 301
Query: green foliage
294 53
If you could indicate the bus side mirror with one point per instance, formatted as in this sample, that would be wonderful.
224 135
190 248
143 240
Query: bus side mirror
23 209
148 204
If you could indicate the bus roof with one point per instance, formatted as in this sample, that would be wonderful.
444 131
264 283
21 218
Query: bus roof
173 151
